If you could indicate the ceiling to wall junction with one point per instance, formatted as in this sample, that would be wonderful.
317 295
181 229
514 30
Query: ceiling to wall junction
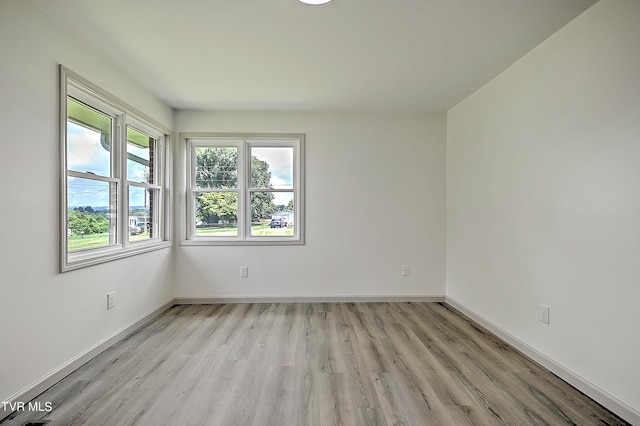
348 55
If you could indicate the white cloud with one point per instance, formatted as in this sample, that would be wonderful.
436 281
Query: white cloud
280 160
282 198
85 152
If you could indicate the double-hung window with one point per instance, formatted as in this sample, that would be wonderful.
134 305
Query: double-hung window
113 186
245 189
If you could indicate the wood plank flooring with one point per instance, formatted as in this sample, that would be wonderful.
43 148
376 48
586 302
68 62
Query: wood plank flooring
314 364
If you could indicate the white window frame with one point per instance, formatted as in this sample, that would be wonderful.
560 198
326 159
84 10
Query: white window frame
243 142
123 115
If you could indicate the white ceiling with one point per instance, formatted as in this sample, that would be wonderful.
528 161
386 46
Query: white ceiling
366 55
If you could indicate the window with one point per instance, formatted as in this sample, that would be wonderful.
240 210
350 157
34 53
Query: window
245 189
112 191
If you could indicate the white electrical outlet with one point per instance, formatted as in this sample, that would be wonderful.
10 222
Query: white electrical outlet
406 270
111 300
543 314
244 271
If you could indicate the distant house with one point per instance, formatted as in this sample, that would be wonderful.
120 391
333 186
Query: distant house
137 224
285 216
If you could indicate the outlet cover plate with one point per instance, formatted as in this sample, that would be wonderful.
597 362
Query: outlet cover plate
543 314
111 300
406 270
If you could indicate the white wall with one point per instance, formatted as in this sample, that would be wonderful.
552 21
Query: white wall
48 318
544 199
375 200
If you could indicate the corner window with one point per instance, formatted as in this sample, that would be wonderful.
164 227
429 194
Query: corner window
113 177
245 189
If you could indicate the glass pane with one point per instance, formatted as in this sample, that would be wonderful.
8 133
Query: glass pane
216 167
140 156
272 214
88 139
91 215
272 167
141 213
217 214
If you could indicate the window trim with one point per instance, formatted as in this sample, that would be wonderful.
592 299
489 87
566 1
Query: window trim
93 96
244 141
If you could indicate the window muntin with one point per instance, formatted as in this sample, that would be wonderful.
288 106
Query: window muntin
143 183
242 190
91 190
112 183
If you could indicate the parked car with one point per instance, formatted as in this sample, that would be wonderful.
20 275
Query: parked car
134 230
276 223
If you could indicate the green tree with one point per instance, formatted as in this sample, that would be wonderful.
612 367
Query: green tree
217 167
215 206
262 205
260 174
83 223
290 205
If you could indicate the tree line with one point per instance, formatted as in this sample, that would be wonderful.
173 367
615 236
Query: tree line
86 220
217 168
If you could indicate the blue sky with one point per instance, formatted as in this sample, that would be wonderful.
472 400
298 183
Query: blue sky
280 162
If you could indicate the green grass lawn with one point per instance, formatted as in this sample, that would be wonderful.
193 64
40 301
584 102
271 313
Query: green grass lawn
266 231
78 242
257 229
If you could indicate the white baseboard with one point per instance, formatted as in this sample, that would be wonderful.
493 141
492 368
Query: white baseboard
305 299
592 391
44 383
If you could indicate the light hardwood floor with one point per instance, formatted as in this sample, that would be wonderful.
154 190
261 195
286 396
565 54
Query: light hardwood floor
314 364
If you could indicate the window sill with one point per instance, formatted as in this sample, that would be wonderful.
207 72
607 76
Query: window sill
252 242
85 259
